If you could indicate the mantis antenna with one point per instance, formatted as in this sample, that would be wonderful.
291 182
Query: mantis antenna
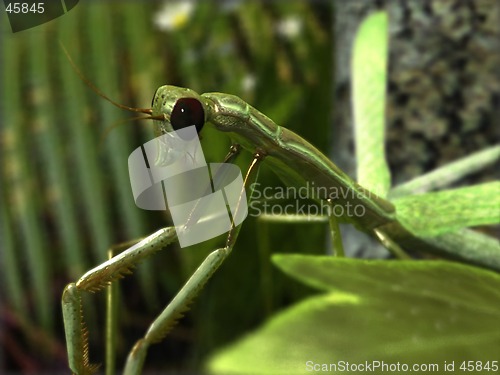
148 111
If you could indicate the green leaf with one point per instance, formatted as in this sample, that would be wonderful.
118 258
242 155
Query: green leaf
436 213
369 77
448 173
468 245
411 312
443 279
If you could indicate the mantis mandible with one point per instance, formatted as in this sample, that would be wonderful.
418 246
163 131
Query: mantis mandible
294 160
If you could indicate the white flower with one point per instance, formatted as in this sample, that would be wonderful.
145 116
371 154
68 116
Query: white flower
289 27
229 6
248 82
174 15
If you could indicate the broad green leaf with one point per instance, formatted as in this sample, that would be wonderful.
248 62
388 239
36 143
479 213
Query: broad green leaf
369 77
411 312
464 244
442 279
448 173
468 245
436 213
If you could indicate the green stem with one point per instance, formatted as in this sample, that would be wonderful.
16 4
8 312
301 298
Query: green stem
111 323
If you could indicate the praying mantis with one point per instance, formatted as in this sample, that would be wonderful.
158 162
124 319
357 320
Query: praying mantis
252 131
296 162
291 157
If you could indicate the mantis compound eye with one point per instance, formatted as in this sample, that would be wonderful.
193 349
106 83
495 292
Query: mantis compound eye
187 112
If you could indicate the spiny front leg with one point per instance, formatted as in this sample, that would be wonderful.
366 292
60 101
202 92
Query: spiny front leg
76 332
95 280
181 302
174 310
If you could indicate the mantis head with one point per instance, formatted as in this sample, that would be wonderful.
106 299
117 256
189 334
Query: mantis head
176 108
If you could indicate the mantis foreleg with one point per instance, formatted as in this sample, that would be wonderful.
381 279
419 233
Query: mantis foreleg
120 265
174 310
95 280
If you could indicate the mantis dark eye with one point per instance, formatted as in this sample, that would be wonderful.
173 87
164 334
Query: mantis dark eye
187 112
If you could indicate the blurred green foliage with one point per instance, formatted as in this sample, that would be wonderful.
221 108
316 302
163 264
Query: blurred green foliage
65 191
410 316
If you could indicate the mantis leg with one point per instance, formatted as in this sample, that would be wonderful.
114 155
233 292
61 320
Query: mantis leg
100 277
111 310
95 280
390 245
338 248
180 303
